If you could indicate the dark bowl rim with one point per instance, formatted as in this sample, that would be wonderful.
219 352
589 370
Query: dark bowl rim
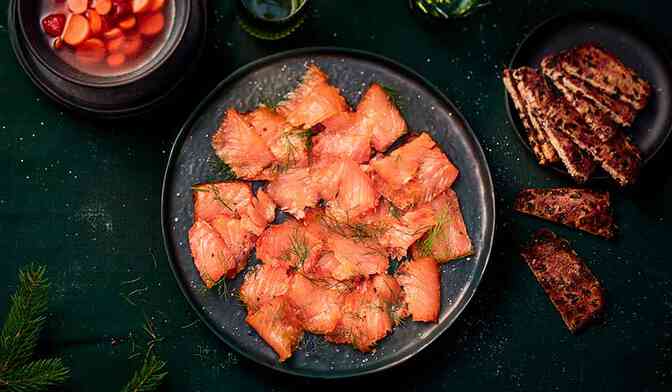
281 20
137 74
634 26
489 235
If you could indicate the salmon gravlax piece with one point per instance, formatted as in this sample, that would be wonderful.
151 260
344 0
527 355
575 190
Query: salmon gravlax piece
389 290
212 257
257 215
241 147
294 191
415 173
237 239
356 257
317 306
313 101
288 244
449 239
343 137
288 144
420 281
263 283
356 194
222 198
380 118
277 324
365 318
407 229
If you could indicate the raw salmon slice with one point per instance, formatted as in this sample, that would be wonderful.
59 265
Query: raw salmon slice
313 101
288 144
415 173
343 137
223 198
239 145
365 318
356 194
380 118
263 283
288 244
212 258
318 307
257 215
406 230
356 258
419 279
237 239
388 289
278 325
448 240
294 191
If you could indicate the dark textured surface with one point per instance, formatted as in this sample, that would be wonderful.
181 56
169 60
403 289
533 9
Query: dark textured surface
83 197
352 72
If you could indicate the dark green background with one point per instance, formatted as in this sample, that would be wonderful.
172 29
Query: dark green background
83 197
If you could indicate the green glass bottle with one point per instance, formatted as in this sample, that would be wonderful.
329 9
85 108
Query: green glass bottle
271 19
447 9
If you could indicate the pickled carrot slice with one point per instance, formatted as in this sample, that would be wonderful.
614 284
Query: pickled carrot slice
132 45
95 22
103 7
116 60
115 45
141 6
128 23
76 30
113 33
78 6
91 51
152 24
156 5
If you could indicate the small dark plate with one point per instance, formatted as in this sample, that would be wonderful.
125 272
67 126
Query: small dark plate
423 106
636 48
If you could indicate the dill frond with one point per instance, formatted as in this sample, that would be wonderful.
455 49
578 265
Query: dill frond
216 194
221 169
149 377
298 249
356 231
394 95
427 244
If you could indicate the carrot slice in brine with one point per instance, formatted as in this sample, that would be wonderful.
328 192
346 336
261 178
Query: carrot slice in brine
116 60
115 45
132 45
103 7
95 22
113 33
78 6
76 30
141 6
127 23
152 24
91 51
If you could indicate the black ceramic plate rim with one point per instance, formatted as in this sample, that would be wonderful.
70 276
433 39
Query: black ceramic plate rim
24 62
116 81
488 187
634 27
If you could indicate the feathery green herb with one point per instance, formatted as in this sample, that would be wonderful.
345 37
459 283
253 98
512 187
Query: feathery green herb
20 333
427 244
221 169
148 377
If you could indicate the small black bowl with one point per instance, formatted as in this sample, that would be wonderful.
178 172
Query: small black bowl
114 96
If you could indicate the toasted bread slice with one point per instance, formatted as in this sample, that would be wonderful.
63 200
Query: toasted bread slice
569 284
540 144
603 70
539 99
596 106
582 209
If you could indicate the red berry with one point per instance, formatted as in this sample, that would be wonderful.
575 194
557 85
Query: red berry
120 9
53 24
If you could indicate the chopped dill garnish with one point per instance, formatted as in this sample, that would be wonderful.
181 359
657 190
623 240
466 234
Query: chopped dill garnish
298 248
395 212
221 169
354 230
427 244
211 188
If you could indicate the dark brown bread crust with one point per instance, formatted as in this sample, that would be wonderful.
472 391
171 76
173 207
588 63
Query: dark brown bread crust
541 147
539 99
603 70
582 209
569 284
588 100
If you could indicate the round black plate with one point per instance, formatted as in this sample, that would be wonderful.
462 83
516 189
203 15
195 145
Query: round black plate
424 108
626 40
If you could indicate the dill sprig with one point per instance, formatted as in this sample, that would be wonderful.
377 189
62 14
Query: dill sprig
20 333
221 169
298 249
357 231
427 244
148 377
216 194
